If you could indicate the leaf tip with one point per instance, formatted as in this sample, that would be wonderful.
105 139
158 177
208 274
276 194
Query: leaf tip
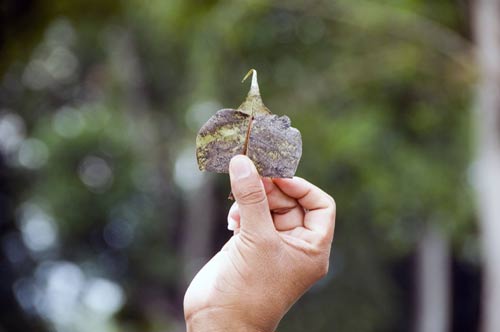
254 87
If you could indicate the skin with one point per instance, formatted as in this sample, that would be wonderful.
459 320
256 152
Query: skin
283 230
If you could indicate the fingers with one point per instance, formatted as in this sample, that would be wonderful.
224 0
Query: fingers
233 217
248 190
286 212
284 218
293 203
290 219
307 194
319 206
278 201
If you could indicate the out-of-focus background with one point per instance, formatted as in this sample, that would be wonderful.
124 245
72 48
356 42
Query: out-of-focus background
105 218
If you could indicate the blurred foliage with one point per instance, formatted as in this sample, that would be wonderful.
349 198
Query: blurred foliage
111 94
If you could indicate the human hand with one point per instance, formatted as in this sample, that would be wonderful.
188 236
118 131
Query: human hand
280 247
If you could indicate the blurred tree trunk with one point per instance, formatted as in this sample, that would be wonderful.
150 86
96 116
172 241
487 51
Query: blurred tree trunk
433 282
198 225
487 35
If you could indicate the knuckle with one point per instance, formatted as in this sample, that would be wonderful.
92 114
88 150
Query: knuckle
332 208
323 269
332 202
323 241
252 194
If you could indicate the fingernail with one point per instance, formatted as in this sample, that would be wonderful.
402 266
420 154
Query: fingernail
231 224
240 167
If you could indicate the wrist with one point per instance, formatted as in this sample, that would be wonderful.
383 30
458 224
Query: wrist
220 320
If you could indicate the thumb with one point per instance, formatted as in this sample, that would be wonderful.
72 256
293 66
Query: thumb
250 195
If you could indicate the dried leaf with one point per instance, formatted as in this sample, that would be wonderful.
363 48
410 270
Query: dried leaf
267 139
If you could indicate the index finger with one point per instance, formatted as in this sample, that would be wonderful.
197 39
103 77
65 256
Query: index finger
319 206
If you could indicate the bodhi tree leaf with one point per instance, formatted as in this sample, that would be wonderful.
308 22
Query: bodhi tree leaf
274 146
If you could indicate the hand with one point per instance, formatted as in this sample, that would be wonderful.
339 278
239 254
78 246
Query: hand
280 247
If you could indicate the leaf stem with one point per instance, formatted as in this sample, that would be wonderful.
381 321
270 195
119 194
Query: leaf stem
254 91
247 137
245 147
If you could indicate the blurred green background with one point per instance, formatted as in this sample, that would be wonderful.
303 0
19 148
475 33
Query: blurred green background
105 218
